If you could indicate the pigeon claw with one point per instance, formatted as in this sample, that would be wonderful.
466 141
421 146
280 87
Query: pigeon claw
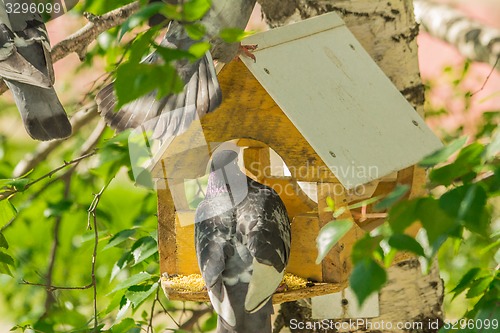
282 287
246 50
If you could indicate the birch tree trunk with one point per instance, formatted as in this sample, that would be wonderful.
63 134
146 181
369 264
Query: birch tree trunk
472 39
387 30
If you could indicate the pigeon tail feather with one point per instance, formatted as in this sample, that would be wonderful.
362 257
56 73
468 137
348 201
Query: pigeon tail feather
257 322
42 113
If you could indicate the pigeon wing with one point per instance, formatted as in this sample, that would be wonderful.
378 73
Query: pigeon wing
268 232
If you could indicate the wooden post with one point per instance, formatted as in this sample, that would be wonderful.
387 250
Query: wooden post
166 228
337 264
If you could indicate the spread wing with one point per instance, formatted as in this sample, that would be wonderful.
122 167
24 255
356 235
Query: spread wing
201 91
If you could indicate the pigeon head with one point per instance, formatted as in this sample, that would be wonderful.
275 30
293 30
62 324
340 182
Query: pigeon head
222 158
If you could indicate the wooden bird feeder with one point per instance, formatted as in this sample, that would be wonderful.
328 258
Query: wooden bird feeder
315 98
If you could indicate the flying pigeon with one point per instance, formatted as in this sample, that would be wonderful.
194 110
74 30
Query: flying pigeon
242 237
26 68
201 93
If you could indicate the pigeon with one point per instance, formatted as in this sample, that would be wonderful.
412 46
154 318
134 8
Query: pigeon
26 68
242 240
201 93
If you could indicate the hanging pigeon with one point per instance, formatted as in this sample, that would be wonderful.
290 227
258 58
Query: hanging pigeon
201 93
26 68
242 237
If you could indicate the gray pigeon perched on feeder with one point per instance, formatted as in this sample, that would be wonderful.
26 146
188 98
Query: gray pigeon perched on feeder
201 93
242 238
26 68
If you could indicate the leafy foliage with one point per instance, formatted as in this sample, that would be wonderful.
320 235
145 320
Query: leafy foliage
78 241
55 262
459 211
459 220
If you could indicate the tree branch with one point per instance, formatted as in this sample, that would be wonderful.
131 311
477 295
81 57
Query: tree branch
53 288
9 193
50 299
80 40
92 216
189 324
473 39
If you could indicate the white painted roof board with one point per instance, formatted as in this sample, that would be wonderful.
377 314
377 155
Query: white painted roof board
339 99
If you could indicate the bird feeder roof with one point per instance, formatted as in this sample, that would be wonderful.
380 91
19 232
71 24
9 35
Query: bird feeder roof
348 110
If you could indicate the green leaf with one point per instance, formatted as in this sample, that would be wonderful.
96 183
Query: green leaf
113 155
336 214
170 54
126 325
367 247
57 209
465 281
141 45
6 259
364 203
3 242
140 17
329 235
435 221
195 31
442 155
134 80
366 278
404 242
199 49
479 286
186 11
124 306
138 294
403 214
133 280
233 35
210 324
7 212
468 158
195 9
115 303
144 248
473 210
392 197
120 264
493 148
119 238
69 317
489 311
330 203
18 182
467 205
4 269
